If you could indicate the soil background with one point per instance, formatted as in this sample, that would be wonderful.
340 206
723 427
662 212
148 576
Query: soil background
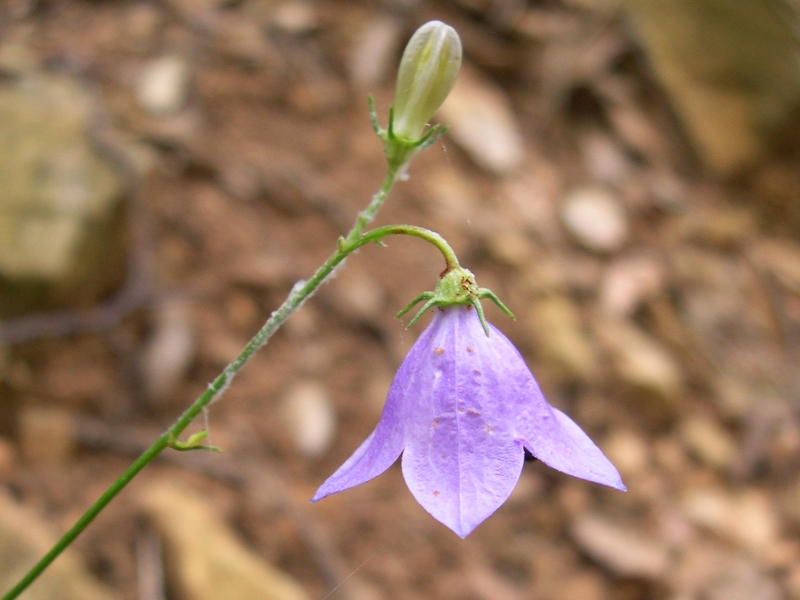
672 341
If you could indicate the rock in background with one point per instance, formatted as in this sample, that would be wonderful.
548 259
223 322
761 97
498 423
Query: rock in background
206 559
731 69
61 216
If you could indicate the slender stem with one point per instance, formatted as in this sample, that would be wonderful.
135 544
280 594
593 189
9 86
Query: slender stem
89 516
300 292
450 258
365 216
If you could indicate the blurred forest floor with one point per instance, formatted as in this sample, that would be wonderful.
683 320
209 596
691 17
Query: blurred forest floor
656 304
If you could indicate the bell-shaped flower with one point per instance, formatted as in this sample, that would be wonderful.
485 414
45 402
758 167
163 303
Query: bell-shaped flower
462 410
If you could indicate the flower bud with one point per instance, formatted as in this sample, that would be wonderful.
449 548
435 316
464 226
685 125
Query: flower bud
426 75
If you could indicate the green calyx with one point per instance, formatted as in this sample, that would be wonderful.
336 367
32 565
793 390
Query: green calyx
398 149
456 287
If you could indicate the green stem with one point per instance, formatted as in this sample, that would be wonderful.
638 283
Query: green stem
302 290
375 235
365 217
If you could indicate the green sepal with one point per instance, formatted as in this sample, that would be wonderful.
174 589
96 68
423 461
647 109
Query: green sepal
430 137
398 149
487 293
414 302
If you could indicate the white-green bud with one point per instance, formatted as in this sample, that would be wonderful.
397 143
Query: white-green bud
426 75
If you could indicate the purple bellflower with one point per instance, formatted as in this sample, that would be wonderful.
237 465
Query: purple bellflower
462 409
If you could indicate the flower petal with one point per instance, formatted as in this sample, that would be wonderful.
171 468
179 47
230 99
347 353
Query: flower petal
373 457
462 458
549 434
457 488
384 445
559 443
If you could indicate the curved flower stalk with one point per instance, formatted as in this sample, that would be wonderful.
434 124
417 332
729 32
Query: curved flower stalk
462 409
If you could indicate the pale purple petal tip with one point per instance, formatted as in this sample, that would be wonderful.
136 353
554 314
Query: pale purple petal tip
560 444
461 490
373 457
385 444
